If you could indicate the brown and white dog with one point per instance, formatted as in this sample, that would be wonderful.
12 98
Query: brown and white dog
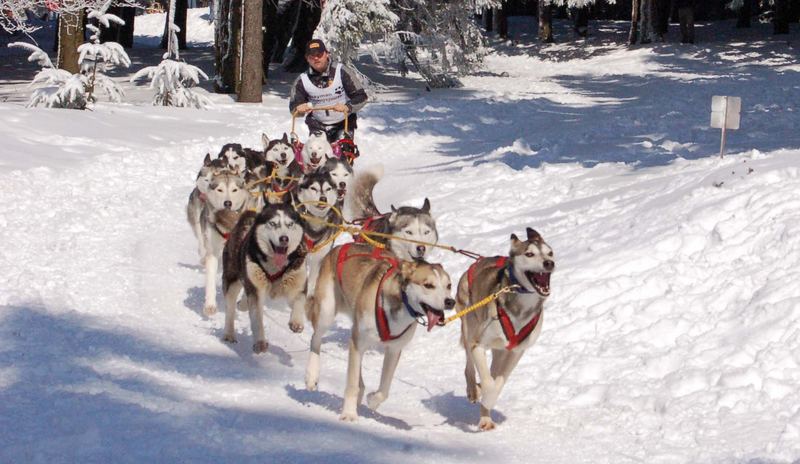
509 324
384 297
265 256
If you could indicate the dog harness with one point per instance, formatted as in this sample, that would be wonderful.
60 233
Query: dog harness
366 224
514 338
380 314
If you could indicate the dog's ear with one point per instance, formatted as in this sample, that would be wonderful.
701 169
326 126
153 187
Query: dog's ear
514 239
285 139
407 269
394 210
207 160
533 236
426 206
264 140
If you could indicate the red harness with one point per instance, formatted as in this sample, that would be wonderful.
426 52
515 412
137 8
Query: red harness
380 315
514 338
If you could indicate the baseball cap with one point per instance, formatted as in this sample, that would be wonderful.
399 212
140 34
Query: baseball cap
315 47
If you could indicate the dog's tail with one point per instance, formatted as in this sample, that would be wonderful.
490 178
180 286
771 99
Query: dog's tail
360 201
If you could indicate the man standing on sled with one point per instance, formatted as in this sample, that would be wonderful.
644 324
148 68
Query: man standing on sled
327 85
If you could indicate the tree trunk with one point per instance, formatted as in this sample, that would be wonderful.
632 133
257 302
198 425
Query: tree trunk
487 18
744 13
123 35
227 36
545 22
662 17
580 21
181 8
307 20
269 39
646 13
780 22
633 36
70 36
500 21
249 90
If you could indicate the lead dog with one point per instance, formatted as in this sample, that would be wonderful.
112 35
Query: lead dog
508 325
383 297
265 256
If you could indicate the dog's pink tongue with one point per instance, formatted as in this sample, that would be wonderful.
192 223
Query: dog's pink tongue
280 259
433 319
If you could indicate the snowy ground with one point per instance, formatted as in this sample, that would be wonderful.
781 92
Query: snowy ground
672 334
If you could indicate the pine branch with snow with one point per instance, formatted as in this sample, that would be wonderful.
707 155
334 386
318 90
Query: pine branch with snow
345 23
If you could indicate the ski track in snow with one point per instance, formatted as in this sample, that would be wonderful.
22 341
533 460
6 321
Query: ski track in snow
672 334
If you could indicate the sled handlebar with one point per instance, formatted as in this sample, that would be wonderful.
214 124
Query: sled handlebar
319 108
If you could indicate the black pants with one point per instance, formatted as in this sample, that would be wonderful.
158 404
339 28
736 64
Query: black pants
333 131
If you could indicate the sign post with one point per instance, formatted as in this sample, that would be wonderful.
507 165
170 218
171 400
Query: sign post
725 114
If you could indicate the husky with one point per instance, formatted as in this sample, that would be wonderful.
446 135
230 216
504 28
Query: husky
342 174
405 222
235 155
509 324
226 199
197 198
265 256
384 297
243 159
316 151
316 196
285 169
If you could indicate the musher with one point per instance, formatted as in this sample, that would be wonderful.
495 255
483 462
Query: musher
326 84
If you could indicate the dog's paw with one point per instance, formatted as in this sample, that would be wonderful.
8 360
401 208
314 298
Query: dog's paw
486 424
296 327
348 416
260 346
375 399
230 338
210 310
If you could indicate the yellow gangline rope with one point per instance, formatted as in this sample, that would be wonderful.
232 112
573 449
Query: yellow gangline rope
483 302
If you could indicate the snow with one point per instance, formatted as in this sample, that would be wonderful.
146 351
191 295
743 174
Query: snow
672 334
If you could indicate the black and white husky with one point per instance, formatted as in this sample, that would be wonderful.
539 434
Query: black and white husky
406 222
265 256
279 155
342 175
315 198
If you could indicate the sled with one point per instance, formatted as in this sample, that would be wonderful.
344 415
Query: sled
344 147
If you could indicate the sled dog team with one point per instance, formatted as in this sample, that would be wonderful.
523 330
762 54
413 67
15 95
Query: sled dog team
270 216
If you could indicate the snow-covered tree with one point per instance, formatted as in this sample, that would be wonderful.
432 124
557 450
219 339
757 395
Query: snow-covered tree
14 16
174 79
62 89
345 23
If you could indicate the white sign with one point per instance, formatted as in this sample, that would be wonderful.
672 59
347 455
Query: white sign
725 112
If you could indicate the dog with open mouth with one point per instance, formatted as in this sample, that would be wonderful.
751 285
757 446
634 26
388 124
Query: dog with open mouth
508 325
342 175
286 171
265 257
315 152
385 298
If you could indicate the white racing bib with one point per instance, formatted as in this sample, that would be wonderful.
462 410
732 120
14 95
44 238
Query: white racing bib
328 96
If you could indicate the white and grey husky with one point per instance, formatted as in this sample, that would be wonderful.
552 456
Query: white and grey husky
384 297
265 256
316 151
197 199
226 198
508 325
406 222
